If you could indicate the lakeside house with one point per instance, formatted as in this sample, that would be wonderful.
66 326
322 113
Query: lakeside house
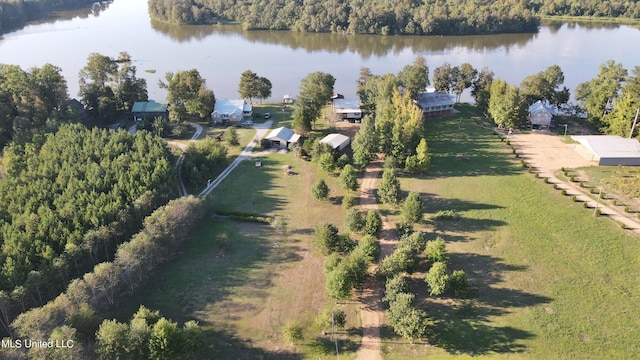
435 103
148 110
541 114
227 111
347 109
282 137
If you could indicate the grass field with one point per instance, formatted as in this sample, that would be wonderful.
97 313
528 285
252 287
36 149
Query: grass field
245 285
550 280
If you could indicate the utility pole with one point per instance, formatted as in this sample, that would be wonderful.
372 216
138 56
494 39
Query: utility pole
333 335
634 123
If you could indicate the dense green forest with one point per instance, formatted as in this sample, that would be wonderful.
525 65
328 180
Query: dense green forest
433 17
14 13
61 197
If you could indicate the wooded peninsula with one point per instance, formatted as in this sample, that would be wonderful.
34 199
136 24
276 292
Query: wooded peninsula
433 17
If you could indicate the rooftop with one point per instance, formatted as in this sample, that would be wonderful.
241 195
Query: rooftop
347 105
148 106
609 146
335 140
436 98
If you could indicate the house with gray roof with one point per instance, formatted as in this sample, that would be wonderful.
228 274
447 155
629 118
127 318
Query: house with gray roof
435 103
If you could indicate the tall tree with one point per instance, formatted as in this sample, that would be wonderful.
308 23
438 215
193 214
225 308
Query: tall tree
463 79
545 85
442 79
481 89
127 86
96 93
595 94
316 90
364 144
187 95
263 88
247 87
414 78
506 105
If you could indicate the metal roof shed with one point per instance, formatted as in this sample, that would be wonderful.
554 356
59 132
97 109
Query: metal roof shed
336 141
610 150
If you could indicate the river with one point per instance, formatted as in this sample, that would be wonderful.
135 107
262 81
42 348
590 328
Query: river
222 53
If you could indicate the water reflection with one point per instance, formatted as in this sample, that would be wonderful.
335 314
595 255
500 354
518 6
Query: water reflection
364 45
51 17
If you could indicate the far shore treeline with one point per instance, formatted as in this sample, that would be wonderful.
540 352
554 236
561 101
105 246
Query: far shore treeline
442 17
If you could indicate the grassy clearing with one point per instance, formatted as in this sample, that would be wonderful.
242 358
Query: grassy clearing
550 280
245 289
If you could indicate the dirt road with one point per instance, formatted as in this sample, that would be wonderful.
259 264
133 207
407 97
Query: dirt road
372 314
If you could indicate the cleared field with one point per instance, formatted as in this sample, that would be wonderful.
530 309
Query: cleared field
551 281
243 282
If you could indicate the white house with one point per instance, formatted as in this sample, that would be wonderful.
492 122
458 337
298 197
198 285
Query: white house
230 111
435 103
282 137
336 141
541 114
347 109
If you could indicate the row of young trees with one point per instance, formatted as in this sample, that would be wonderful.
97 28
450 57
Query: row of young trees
74 311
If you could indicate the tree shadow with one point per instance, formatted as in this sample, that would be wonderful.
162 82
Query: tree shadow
224 344
465 326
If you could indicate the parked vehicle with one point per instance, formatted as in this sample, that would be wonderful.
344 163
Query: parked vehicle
247 123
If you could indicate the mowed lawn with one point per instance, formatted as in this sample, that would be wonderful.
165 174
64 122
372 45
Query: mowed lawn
243 282
551 281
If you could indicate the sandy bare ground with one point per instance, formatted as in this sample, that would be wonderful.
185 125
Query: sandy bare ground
372 313
547 154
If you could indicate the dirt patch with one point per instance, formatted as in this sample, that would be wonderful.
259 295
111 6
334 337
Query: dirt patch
547 153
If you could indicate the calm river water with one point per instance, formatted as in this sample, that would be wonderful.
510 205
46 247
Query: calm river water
221 53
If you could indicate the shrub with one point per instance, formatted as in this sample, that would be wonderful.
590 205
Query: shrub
614 202
623 225
598 212
436 250
320 190
572 178
349 201
585 205
437 278
404 228
370 247
459 283
537 175
563 192
412 208
354 221
373 223
446 215
627 209
327 163
574 198
292 333
546 180
231 136
342 161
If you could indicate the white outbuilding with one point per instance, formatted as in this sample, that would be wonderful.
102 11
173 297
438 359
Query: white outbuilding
336 141
541 114
609 150
282 137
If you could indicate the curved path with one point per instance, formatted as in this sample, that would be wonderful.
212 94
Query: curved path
261 131
372 314
183 147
